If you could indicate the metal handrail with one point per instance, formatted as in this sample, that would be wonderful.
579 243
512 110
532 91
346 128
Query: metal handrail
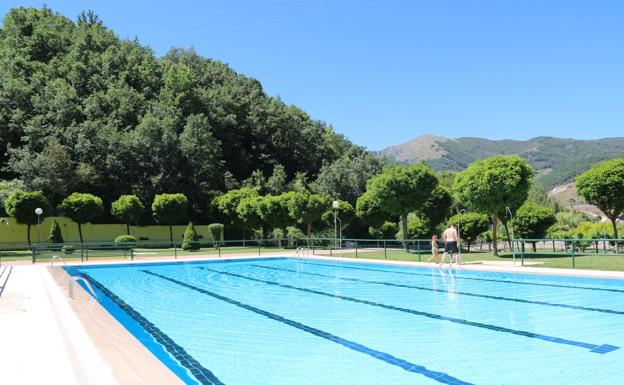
55 257
87 284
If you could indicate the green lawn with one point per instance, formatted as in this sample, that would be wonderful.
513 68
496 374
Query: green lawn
557 260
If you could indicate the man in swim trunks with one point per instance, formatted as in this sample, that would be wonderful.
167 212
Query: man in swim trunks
449 236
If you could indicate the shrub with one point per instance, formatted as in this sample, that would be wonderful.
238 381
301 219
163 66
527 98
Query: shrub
190 241
216 233
55 233
68 249
125 239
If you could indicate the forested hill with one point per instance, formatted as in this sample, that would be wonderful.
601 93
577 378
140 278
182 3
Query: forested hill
556 160
83 110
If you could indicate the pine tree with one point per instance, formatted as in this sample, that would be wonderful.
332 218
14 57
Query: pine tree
55 233
191 240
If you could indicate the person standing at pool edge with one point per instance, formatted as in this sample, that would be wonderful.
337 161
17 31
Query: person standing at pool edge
449 236
434 249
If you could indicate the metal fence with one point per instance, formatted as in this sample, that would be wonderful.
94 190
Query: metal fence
558 252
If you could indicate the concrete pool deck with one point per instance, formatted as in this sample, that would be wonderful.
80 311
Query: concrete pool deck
48 338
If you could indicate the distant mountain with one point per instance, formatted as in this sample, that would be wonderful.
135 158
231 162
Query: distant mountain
556 160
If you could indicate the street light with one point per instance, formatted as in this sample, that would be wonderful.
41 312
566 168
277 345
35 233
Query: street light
335 206
38 211
460 212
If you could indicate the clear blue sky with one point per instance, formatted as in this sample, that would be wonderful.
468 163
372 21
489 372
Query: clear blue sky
383 72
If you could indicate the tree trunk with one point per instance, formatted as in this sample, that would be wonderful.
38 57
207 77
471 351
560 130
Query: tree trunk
534 248
495 234
243 237
468 246
615 234
309 233
404 227
128 228
171 234
507 234
80 232
28 233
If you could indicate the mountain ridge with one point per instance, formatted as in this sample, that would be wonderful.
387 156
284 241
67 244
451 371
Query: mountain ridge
556 160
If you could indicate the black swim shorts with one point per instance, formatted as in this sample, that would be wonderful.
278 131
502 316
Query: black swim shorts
451 246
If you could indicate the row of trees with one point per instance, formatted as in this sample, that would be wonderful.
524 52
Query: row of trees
493 190
247 209
167 209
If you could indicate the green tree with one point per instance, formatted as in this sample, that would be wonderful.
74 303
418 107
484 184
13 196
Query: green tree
371 210
274 211
7 187
190 241
345 212
170 209
276 184
82 208
305 209
22 205
227 205
493 184
128 209
216 233
346 177
385 231
471 225
532 221
603 186
249 212
55 233
401 190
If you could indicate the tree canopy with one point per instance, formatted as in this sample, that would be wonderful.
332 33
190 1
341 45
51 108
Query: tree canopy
398 191
492 184
22 205
533 221
82 208
603 186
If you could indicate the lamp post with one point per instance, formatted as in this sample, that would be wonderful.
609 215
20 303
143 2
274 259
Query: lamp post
513 249
335 206
460 212
6 222
38 211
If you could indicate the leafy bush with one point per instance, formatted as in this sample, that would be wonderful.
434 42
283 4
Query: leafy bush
68 249
55 233
216 233
125 239
190 241
385 231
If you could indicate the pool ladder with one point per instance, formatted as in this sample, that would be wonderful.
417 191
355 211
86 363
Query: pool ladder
54 258
72 280
301 252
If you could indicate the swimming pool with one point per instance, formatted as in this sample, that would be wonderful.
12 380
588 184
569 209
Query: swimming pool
289 321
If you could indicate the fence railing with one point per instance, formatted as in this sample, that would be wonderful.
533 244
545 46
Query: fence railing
410 249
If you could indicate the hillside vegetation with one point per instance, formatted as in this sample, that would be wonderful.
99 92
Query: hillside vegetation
556 160
83 110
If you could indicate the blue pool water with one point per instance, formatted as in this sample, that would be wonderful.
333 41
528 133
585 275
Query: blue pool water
286 321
